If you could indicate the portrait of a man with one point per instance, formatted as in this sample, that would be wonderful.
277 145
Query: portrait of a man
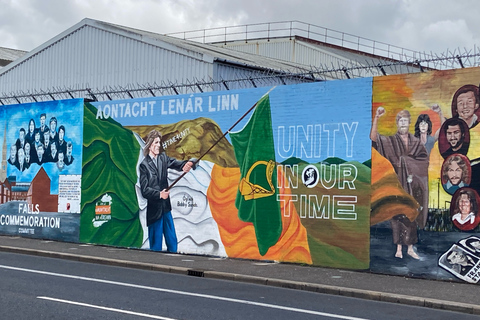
28 159
53 152
60 161
13 155
465 104
154 187
454 137
21 139
42 127
21 160
61 144
69 156
409 158
53 130
456 173
460 262
40 152
464 209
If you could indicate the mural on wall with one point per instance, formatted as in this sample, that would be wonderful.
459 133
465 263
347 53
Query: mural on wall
289 184
109 209
41 168
425 189
463 260
380 174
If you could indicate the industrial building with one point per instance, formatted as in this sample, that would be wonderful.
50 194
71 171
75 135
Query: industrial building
8 55
331 199
102 61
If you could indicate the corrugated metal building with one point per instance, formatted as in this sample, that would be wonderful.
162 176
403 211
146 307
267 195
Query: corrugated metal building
8 55
318 48
105 57
314 54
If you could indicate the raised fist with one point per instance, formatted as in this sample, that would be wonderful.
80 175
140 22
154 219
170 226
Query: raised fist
436 108
380 112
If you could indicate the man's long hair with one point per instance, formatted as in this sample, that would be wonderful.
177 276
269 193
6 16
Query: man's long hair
460 162
149 140
471 197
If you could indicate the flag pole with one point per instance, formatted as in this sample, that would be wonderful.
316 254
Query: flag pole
216 142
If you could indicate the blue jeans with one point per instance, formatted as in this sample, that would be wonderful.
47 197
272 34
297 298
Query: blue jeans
163 227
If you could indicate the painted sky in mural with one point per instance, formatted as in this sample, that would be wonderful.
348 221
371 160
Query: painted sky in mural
61 118
41 169
312 136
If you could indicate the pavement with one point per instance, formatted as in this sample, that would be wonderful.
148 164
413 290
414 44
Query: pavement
446 295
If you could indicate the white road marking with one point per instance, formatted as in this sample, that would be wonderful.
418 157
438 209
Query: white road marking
145 315
206 296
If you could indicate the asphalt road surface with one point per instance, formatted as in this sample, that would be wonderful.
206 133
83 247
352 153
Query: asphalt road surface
34 287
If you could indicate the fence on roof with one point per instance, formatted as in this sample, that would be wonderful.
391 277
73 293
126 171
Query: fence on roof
290 29
272 30
449 60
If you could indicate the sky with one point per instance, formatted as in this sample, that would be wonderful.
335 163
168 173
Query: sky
420 25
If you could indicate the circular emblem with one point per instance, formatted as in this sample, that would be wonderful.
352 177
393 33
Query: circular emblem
310 176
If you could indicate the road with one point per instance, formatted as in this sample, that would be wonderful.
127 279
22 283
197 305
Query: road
35 287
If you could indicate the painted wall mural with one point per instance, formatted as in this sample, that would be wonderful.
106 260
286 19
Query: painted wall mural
41 169
425 189
379 174
288 183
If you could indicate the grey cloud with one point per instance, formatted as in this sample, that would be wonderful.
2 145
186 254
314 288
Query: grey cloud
422 25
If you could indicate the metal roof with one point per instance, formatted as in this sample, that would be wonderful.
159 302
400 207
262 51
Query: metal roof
206 52
98 56
218 53
8 55
317 55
